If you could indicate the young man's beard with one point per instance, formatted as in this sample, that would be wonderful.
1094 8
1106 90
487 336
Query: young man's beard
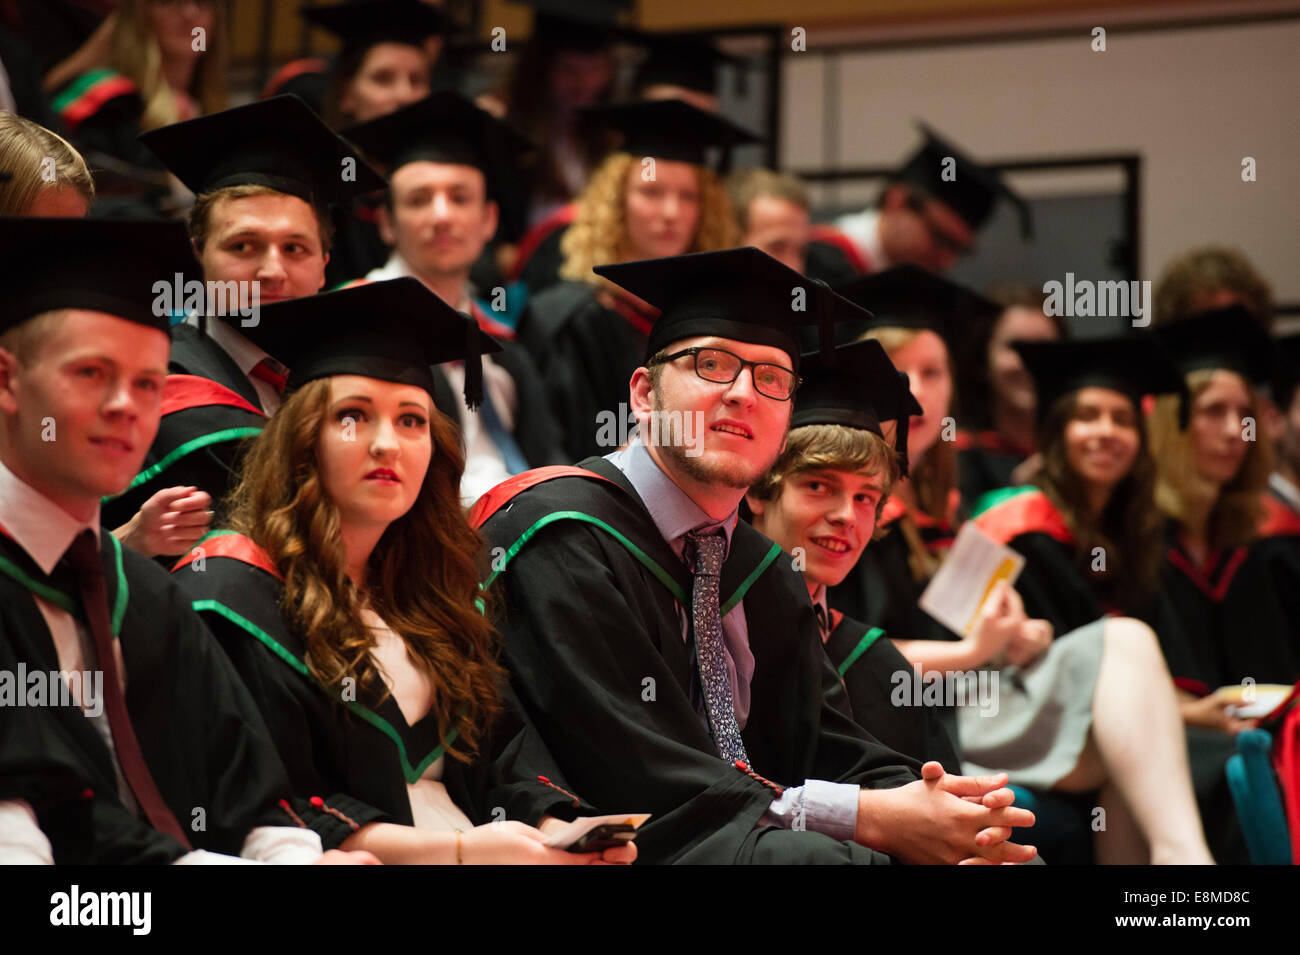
699 468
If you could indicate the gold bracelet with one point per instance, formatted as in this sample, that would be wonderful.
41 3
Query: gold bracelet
460 860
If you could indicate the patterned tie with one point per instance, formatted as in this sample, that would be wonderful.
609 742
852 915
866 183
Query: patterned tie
706 621
83 558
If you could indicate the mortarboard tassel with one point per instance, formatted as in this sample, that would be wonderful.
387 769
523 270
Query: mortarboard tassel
900 434
473 365
825 325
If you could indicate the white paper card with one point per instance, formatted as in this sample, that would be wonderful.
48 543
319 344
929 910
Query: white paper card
973 565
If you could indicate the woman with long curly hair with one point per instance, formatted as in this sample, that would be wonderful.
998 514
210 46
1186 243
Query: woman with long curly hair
346 593
655 197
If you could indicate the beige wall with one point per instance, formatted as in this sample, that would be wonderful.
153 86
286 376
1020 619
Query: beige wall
1193 102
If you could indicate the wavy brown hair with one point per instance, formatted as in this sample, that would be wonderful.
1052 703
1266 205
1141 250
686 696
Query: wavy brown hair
1129 530
422 578
598 235
1235 509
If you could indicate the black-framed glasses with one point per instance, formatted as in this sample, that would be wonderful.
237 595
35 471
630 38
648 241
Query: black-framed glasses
722 367
937 234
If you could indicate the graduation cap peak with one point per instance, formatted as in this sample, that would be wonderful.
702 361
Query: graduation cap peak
860 389
394 330
1229 338
742 294
670 129
909 296
947 173
277 142
102 265
1134 365
367 22
444 127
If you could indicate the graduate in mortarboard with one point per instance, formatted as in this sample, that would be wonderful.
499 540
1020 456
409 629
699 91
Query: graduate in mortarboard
156 74
387 60
1093 536
669 654
821 502
1210 480
142 744
446 160
657 195
263 176
930 212
998 437
926 323
346 592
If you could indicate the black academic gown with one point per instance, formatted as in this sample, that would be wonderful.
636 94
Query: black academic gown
356 756
203 431
880 590
1232 618
985 461
597 658
357 248
201 735
586 353
1056 588
867 661
1278 549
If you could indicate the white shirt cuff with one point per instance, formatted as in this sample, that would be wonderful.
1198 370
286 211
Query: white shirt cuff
21 839
818 806
268 845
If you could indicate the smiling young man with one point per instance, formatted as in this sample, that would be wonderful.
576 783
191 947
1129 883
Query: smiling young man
668 654
447 161
263 175
165 751
821 502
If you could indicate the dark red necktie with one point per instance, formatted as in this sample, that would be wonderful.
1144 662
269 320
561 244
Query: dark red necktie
83 558
263 371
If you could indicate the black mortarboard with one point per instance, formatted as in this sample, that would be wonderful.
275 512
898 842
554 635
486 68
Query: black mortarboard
367 22
1287 378
909 296
860 390
741 294
682 60
394 330
973 189
103 265
669 129
444 127
1134 365
584 26
1230 338
277 142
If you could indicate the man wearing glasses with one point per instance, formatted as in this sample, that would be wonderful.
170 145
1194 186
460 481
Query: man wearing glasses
667 652
930 211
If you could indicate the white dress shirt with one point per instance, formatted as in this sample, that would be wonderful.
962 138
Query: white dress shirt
863 228
244 354
45 531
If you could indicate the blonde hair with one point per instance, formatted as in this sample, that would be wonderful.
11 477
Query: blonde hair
746 185
832 447
134 52
1234 509
598 235
24 340
24 149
